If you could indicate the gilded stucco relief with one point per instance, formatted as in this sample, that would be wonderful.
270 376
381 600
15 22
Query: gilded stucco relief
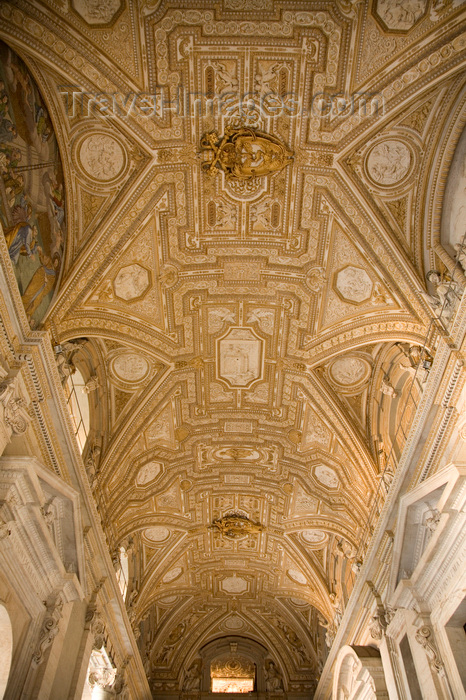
248 282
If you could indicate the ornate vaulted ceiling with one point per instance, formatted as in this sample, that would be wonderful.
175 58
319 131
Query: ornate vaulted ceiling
248 336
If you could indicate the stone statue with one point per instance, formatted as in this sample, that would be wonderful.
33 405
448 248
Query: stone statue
446 293
461 255
273 679
386 388
192 678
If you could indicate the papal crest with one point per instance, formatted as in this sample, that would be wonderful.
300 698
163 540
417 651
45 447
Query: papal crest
243 153
235 526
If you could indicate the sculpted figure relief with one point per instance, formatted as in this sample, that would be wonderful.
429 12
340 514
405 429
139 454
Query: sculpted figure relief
273 678
446 294
192 679
354 284
400 14
348 370
388 162
97 12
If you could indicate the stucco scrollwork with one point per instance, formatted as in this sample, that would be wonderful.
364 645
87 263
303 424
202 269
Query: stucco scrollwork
49 630
425 638
13 406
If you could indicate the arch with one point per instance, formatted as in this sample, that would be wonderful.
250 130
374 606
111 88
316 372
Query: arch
359 674
221 648
32 206
6 648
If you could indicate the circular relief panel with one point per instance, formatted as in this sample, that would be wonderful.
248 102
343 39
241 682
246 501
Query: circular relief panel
172 574
102 157
388 162
314 536
129 367
157 533
296 576
349 370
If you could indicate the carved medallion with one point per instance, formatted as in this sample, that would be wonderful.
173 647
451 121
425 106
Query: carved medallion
349 370
129 367
388 162
244 153
233 623
354 284
102 157
131 282
299 602
168 600
157 533
240 354
315 537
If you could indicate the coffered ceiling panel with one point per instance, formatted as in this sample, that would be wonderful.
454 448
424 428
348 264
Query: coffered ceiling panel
246 263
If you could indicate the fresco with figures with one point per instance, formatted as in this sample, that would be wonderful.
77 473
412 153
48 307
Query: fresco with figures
32 202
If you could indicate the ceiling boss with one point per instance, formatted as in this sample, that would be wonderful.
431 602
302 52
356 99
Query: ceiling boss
244 153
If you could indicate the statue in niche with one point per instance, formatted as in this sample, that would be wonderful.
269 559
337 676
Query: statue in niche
192 678
273 679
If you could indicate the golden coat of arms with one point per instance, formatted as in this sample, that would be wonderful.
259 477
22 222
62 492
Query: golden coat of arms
243 153
235 526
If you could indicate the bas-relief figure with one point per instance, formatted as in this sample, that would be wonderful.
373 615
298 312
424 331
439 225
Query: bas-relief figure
148 473
192 678
388 162
354 284
130 366
131 282
273 678
97 12
102 157
326 476
401 14
32 202
348 370
234 584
